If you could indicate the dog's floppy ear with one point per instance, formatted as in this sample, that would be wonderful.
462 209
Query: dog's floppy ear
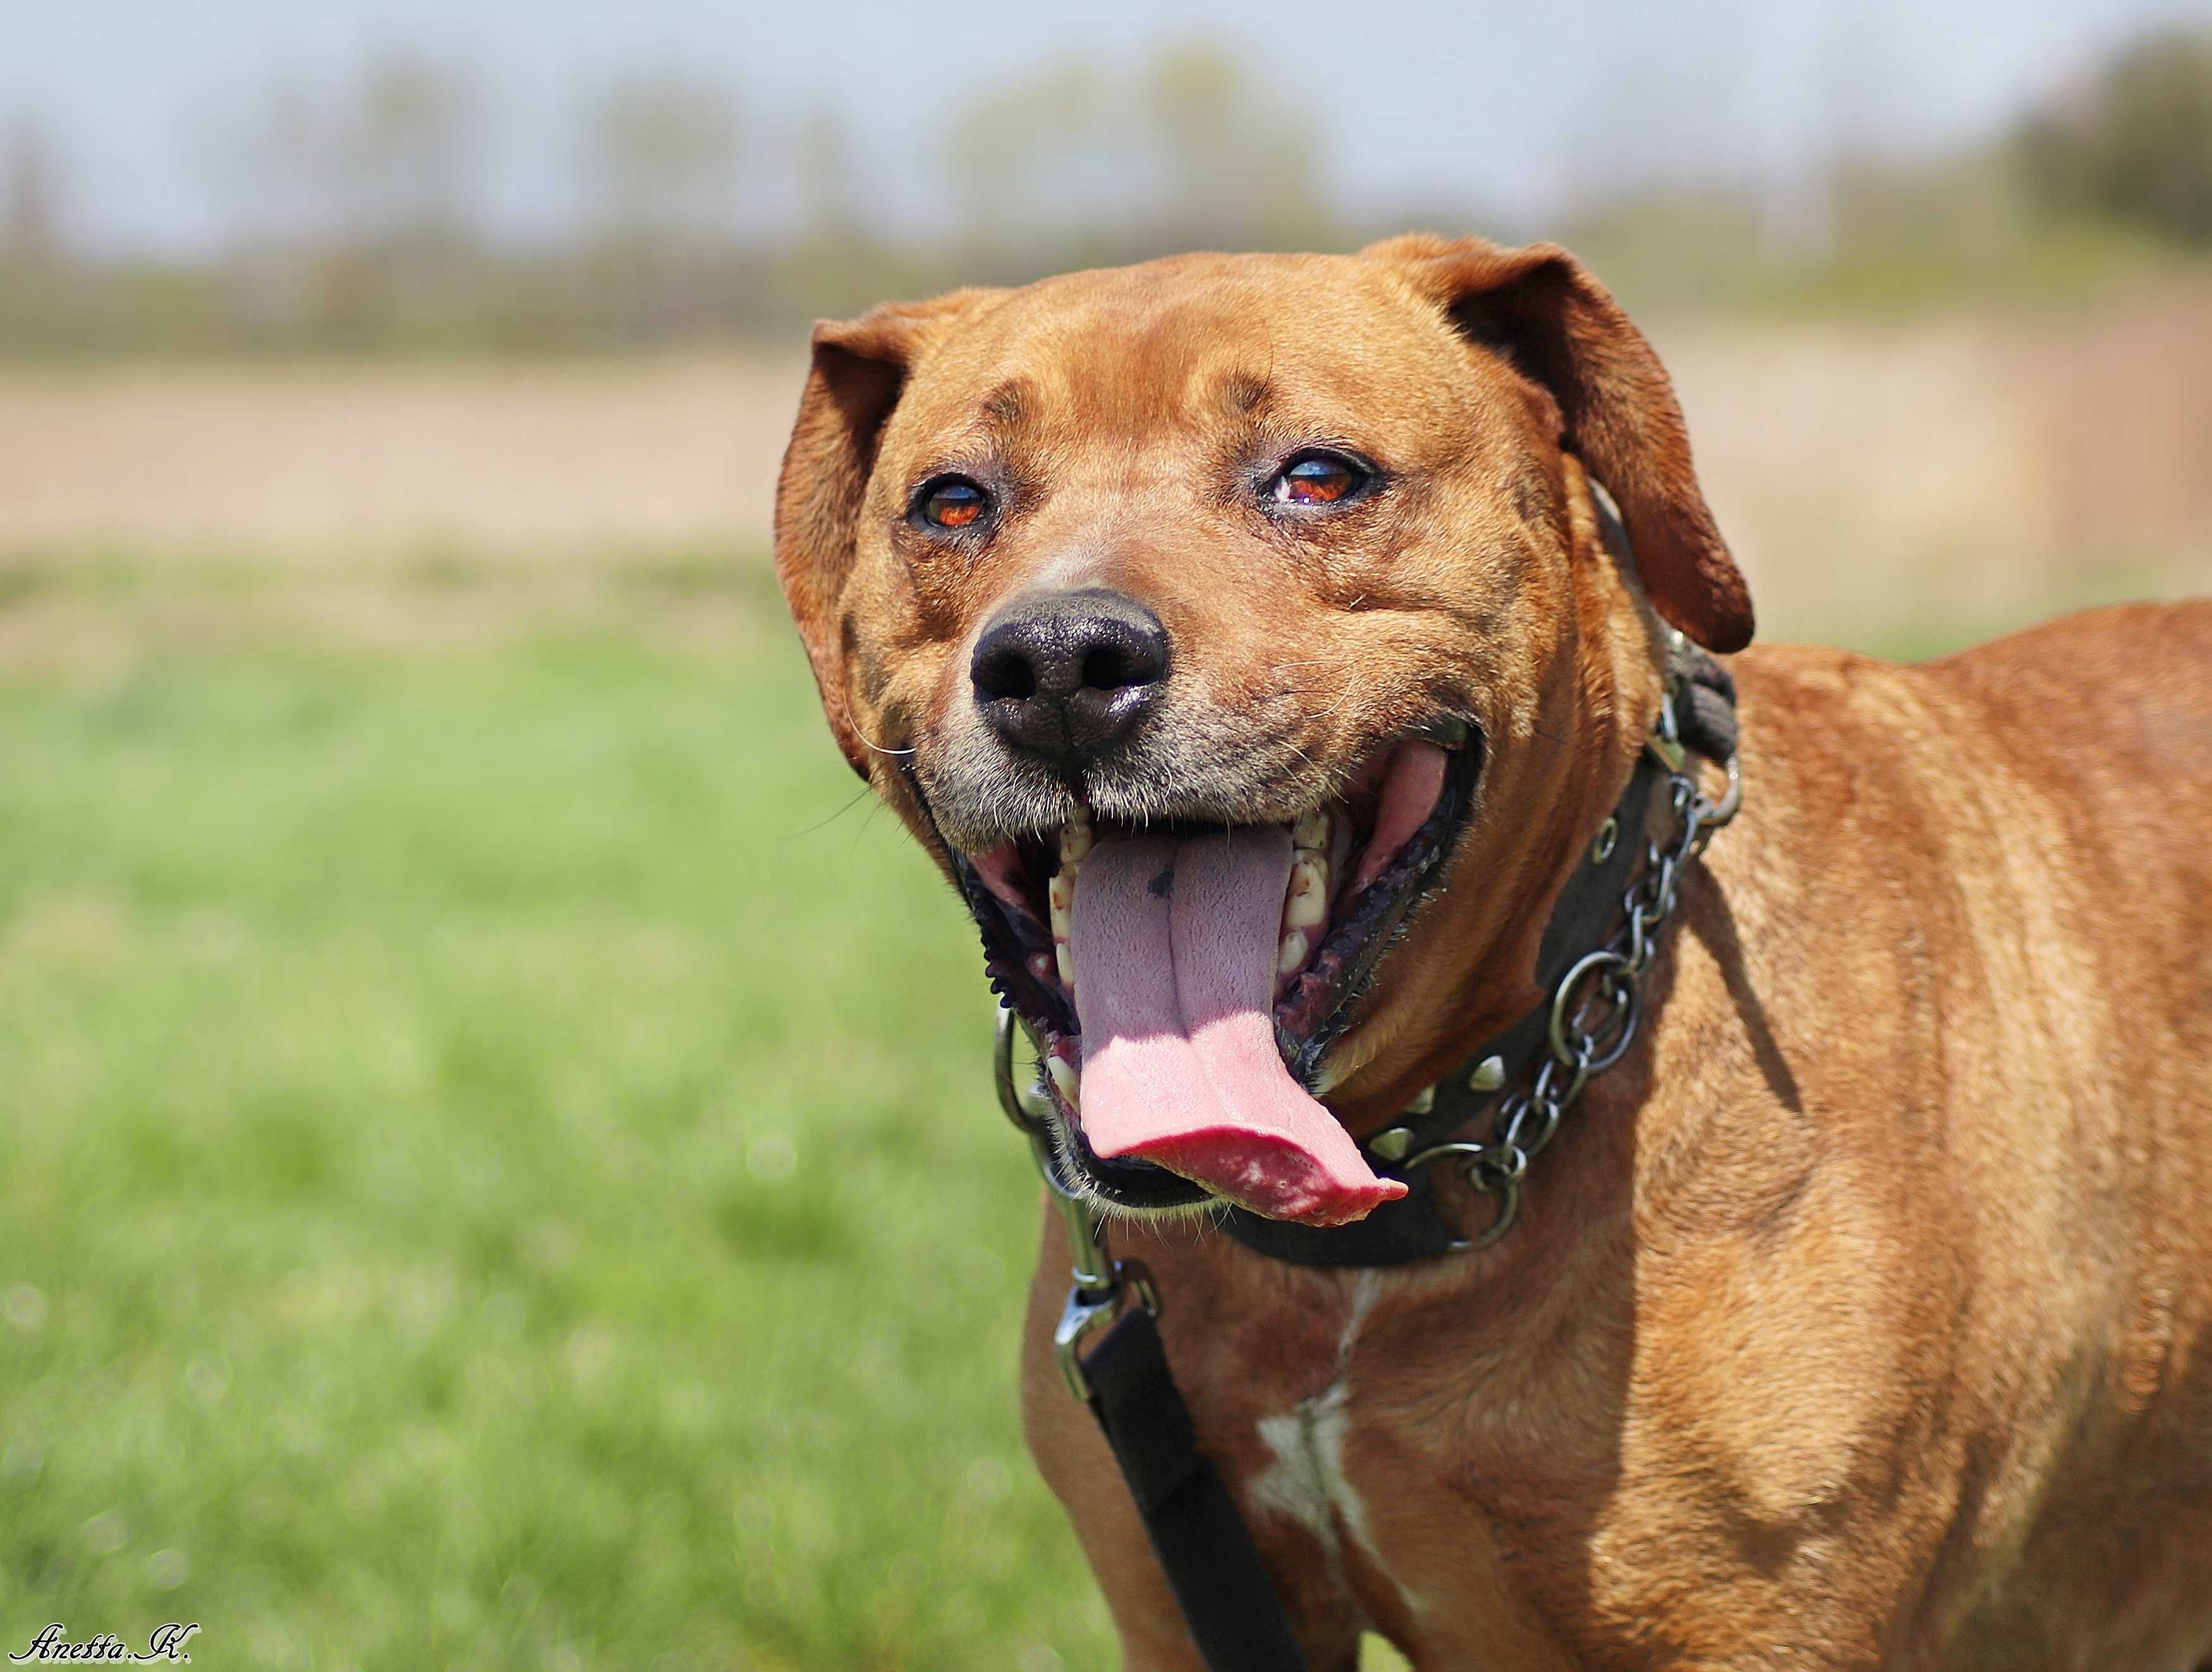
858 368
1538 307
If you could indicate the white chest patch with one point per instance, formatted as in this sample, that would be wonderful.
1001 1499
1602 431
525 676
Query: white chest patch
1306 1481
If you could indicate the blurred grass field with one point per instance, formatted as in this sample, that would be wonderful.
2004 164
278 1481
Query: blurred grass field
497 1172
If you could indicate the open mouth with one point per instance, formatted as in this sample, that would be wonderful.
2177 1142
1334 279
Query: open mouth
1184 980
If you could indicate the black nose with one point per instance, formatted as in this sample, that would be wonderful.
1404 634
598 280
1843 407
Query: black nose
1068 674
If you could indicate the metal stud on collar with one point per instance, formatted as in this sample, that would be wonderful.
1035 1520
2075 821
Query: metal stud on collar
1391 1143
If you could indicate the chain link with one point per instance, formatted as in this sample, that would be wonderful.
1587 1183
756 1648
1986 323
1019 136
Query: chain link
1597 1005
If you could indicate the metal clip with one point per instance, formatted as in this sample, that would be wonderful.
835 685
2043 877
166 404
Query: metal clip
1100 1279
1083 1313
1088 1308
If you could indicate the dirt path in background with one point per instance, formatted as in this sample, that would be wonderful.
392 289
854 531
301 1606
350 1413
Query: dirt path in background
331 461
1968 470
1871 477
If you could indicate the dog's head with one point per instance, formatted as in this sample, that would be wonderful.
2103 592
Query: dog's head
1203 615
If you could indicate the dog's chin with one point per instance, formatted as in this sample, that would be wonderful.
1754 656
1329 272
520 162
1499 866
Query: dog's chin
1185 1116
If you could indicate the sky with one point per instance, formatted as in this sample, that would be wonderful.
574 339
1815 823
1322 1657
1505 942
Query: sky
1517 111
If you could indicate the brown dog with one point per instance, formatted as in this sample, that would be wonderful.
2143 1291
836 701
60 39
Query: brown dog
1859 1316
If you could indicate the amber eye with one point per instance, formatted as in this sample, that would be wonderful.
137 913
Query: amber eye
951 502
1316 478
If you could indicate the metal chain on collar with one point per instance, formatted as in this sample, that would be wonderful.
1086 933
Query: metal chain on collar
1597 1006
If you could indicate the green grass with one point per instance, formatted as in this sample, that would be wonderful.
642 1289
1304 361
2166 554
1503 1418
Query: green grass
497 1171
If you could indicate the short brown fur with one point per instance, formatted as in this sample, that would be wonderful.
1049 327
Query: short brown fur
1860 1317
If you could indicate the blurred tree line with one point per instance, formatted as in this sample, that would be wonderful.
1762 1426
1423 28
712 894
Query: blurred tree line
2135 146
357 215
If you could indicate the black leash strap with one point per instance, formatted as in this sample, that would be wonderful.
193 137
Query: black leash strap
1203 1544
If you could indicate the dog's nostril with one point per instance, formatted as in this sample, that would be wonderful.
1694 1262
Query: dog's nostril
1113 665
1005 672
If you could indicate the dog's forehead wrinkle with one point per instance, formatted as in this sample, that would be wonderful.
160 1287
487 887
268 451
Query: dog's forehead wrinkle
1244 391
1171 341
1008 401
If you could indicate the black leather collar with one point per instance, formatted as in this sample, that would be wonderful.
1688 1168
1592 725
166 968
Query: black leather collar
1701 710
1411 1228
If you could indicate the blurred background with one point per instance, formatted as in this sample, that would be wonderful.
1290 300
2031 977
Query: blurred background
497 1166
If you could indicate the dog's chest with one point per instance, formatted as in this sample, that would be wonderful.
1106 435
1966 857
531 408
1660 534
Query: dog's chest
1389 1482
1313 1474
1302 1474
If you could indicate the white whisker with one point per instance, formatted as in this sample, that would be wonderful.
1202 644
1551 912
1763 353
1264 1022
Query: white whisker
877 747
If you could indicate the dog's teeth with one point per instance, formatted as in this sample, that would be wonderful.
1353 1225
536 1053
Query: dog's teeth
1291 956
1059 896
1307 903
1040 966
1310 832
1065 1080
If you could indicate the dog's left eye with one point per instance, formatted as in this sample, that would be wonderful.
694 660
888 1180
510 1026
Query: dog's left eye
1317 479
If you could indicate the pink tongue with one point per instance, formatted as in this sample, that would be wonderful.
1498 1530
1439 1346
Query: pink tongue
1175 940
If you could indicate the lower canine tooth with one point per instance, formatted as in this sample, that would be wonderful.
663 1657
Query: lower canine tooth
1065 959
1065 1080
1059 892
1291 957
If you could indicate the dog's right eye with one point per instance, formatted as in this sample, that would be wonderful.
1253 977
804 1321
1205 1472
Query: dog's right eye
951 502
